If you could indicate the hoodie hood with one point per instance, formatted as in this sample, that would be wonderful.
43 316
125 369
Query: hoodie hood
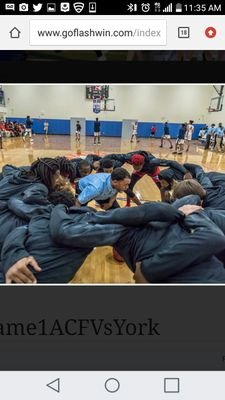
19 178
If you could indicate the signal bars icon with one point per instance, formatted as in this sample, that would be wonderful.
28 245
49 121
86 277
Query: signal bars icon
168 9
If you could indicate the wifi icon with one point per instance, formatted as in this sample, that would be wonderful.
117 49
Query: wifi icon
78 7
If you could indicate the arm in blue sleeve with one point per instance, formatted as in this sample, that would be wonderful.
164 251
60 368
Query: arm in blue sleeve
88 194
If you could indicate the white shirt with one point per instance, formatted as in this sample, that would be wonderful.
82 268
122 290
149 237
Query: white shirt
134 129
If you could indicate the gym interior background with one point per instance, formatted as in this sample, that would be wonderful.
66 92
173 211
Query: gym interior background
62 105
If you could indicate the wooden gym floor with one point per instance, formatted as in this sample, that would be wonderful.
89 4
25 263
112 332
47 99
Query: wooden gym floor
100 266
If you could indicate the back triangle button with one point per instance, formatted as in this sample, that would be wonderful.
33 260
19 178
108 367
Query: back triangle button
54 385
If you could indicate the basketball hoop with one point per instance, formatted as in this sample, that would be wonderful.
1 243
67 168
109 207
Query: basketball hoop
216 104
108 105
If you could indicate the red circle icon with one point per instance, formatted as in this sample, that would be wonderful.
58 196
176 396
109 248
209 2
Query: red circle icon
210 32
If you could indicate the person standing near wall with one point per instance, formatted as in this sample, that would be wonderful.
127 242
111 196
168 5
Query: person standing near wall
166 135
153 131
189 132
28 128
218 137
134 131
179 147
46 126
97 132
78 130
209 135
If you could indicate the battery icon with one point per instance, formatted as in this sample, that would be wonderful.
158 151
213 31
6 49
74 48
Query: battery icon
178 7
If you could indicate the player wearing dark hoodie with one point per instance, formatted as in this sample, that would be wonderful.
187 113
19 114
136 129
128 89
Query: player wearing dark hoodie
153 251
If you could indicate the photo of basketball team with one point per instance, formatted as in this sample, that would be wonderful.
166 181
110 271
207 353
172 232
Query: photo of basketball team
112 184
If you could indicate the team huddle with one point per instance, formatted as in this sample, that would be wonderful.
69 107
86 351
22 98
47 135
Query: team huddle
48 227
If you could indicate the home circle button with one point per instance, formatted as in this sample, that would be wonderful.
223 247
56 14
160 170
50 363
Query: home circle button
112 385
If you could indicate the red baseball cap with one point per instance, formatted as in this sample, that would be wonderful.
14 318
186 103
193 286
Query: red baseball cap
137 159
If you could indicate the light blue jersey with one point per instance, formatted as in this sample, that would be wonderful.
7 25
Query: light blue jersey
96 187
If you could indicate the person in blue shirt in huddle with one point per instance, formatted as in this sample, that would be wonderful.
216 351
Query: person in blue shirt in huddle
103 188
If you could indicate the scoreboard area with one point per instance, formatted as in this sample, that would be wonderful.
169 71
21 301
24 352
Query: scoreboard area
101 91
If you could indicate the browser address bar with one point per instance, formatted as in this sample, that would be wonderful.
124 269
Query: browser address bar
92 33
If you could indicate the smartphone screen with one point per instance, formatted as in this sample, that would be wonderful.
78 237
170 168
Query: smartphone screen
112 193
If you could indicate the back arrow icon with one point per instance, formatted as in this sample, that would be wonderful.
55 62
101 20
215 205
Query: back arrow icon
54 385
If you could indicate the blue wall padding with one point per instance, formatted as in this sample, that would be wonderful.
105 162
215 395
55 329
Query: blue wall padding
108 128
144 129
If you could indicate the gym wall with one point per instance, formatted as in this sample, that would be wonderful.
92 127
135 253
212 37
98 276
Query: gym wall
175 103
